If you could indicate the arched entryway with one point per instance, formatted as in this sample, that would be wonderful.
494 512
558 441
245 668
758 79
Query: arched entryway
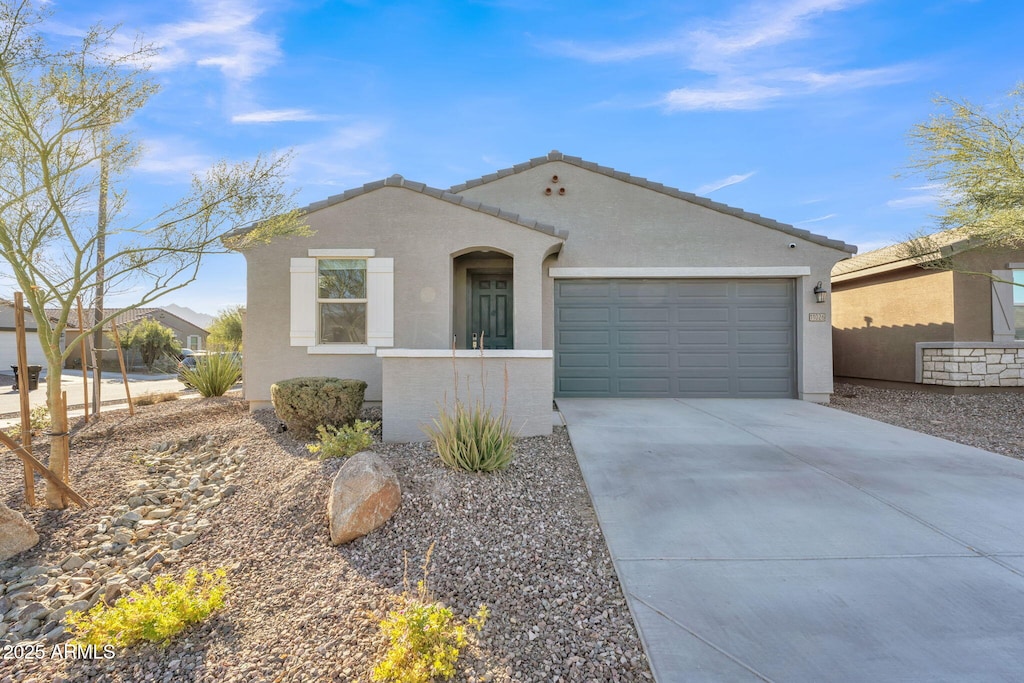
483 299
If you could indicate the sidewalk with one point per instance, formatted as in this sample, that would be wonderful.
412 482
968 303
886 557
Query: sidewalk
112 390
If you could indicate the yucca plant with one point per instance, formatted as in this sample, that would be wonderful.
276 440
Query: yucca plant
473 438
214 374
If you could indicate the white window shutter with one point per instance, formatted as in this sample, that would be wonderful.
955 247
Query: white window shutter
380 304
303 307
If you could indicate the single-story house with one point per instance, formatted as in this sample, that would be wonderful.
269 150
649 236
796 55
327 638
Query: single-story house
188 334
9 339
577 280
898 317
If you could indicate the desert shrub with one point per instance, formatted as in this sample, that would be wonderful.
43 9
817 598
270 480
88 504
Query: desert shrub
213 374
305 403
153 614
473 438
38 419
425 636
341 442
150 399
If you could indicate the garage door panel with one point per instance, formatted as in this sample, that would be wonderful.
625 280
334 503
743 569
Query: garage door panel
584 337
644 386
645 337
702 360
643 314
774 314
644 360
716 314
686 338
585 314
584 360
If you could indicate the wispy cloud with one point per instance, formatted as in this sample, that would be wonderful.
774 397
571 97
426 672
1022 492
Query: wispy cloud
277 116
819 219
220 34
732 55
724 182
341 158
924 195
177 159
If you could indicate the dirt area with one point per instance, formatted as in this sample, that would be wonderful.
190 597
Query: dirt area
524 541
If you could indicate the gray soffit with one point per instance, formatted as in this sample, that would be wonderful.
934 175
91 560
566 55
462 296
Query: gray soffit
555 155
398 181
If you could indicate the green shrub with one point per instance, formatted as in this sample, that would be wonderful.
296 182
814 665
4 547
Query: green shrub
213 374
341 442
153 614
425 637
473 439
305 403
38 420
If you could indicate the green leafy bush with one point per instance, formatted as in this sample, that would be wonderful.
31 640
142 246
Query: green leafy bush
38 419
425 637
305 403
341 442
153 614
213 374
473 438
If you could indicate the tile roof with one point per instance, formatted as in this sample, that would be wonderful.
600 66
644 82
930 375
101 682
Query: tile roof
900 254
398 181
123 318
555 155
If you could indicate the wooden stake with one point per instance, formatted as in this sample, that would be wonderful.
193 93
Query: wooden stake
26 418
67 439
124 373
85 371
30 460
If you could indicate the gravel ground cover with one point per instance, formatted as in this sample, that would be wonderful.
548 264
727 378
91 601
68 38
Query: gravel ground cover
205 484
993 421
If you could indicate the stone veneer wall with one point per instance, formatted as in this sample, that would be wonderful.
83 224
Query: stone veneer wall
966 366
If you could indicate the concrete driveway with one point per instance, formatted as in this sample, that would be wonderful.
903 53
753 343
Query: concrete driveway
778 540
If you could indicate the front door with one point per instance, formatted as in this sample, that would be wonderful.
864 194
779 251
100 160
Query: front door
491 310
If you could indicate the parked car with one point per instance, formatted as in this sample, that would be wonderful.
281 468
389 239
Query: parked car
190 360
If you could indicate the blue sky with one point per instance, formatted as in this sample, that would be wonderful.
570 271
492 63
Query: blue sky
794 109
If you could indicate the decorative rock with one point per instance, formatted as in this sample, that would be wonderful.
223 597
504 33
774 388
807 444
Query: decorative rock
159 513
364 495
16 535
72 563
183 540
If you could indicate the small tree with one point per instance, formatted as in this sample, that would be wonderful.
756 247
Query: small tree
152 340
977 156
226 329
61 142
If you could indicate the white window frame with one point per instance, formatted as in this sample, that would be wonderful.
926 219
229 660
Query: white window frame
199 342
380 307
365 300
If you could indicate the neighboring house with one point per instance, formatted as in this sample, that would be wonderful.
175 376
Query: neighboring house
9 339
189 335
897 319
582 281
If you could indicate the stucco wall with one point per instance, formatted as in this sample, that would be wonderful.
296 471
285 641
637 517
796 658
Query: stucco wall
421 233
878 320
617 224
413 395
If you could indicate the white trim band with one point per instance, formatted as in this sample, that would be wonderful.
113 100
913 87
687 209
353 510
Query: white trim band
694 272
343 253
463 353
341 350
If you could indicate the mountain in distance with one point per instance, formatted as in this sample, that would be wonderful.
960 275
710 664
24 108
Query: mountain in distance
196 318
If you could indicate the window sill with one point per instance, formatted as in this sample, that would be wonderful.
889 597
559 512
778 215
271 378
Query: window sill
341 350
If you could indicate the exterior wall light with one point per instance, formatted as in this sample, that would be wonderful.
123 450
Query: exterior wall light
819 293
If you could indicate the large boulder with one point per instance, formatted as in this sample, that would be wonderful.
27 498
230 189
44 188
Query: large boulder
16 535
364 495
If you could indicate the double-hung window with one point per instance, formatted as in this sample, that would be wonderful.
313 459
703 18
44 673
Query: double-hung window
341 301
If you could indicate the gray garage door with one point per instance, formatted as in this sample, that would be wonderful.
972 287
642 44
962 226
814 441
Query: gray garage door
675 338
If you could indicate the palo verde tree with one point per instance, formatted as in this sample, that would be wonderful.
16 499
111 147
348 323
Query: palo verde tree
226 329
62 119
977 156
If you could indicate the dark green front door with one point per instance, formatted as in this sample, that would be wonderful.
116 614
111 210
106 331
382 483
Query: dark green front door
491 310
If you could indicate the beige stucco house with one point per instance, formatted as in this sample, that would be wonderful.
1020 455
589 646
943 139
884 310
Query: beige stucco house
579 281
899 318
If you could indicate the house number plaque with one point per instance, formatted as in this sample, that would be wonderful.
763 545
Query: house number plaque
816 317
